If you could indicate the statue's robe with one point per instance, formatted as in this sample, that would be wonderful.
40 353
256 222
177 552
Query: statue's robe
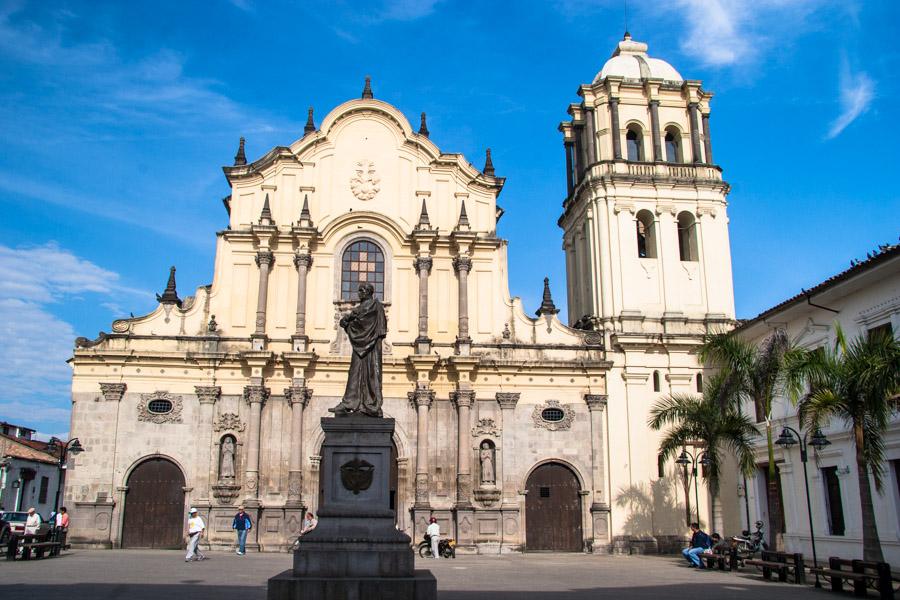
366 326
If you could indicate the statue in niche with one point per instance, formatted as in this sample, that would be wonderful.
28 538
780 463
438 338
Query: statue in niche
488 475
366 326
226 458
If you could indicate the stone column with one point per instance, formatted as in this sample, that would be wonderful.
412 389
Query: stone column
463 264
298 396
507 402
591 135
600 501
695 132
264 260
570 179
113 392
654 130
707 142
302 261
614 128
207 396
423 269
423 397
255 395
463 400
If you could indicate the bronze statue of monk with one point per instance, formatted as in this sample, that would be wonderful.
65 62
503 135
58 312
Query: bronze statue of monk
366 326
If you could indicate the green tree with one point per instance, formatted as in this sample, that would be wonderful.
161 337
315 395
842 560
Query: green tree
717 425
856 382
758 374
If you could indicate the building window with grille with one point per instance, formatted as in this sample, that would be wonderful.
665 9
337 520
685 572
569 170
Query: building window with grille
634 142
687 237
45 484
673 145
833 501
362 262
646 234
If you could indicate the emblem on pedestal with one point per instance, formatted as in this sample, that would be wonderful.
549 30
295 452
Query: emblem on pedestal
356 475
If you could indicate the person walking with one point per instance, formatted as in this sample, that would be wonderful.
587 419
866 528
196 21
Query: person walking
434 536
195 530
32 522
700 543
241 524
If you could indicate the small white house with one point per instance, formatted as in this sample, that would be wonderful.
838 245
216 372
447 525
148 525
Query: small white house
28 477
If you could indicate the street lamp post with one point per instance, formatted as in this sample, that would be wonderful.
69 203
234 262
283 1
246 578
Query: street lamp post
686 458
73 446
818 441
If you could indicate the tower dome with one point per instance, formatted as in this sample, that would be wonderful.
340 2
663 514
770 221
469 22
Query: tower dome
630 60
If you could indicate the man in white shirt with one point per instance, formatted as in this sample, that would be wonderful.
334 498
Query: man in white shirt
32 522
434 533
195 530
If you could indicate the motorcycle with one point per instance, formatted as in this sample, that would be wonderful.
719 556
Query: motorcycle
446 547
749 544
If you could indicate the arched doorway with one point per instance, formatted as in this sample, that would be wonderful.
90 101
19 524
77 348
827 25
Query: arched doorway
394 478
154 506
553 510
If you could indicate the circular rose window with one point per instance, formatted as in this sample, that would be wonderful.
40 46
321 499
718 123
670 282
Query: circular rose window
160 407
552 414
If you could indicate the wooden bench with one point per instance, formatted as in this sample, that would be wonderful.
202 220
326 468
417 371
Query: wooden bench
45 540
861 574
723 562
782 563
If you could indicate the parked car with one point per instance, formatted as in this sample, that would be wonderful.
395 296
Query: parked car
11 523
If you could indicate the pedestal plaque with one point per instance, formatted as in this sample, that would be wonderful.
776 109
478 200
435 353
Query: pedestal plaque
355 551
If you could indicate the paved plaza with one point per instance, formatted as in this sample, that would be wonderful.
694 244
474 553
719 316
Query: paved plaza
140 575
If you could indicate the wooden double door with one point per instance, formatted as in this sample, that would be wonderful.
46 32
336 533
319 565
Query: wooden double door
553 510
154 506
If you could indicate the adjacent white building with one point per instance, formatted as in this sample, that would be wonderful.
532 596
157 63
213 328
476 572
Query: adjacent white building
864 298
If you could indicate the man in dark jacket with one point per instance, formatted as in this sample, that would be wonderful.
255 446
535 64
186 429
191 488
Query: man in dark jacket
700 543
241 524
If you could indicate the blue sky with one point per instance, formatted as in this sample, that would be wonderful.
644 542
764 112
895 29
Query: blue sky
116 118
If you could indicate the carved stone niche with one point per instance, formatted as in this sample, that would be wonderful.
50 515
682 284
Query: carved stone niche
553 416
160 407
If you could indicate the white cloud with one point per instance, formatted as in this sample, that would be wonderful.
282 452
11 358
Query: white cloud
408 10
727 32
34 377
857 90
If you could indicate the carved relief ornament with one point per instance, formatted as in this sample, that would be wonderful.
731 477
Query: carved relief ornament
172 416
229 422
537 416
485 426
364 184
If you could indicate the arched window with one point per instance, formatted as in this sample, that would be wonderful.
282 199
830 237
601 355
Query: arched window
646 234
673 145
634 145
687 237
363 262
655 381
700 383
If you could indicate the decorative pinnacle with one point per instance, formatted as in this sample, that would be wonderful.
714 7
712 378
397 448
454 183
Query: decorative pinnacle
305 216
424 223
265 217
240 158
170 295
488 164
547 306
463 217
310 124
367 90
423 128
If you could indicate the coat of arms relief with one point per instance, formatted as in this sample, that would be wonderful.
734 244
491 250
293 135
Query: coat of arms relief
364 184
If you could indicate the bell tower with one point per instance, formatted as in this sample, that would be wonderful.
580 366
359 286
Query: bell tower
644 219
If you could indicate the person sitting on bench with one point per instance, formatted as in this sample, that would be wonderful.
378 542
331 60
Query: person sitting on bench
700 543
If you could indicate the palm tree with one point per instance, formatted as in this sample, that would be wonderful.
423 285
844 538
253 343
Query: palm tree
758 374
857 382
703 419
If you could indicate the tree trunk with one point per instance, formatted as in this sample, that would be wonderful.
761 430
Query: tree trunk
773 497
871 543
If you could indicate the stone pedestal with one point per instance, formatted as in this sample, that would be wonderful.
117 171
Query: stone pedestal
355 551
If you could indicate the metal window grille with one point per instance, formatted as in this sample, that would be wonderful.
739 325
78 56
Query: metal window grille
552 414
363 262
159 407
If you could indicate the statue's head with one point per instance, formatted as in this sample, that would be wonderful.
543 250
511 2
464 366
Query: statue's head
366 291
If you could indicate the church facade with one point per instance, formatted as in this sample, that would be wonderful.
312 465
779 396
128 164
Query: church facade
517 432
